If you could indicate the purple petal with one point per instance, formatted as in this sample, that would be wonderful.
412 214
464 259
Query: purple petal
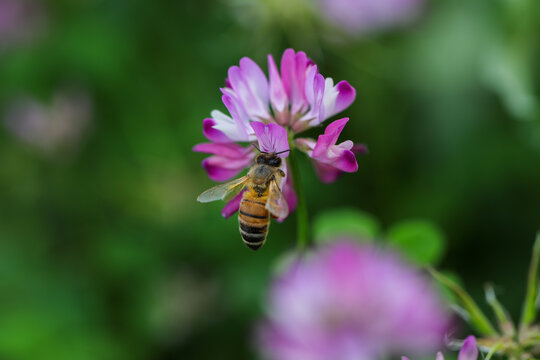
439 356
331 134
346 162
360 149
290 195
306 145
327 173
272 138
228 160
404 358
232 206
314 90
214 166
336 98
310 89
293 73
255 78
278 96
221 168
288 70
346 96
238 114
235 107
468 351
212 134
234 129
247 93
229 150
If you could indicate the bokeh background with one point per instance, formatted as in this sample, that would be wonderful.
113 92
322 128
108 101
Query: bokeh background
104 252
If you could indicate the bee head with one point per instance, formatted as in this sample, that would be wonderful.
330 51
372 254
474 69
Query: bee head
270 159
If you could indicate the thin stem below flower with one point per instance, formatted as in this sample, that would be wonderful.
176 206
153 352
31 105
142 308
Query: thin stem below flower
302 226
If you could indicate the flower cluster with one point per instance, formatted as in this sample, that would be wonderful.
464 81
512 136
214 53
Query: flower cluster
363 16
51 128
272 110
351 302
20 21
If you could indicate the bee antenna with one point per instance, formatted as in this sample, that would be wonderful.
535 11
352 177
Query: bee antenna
281 152
259 150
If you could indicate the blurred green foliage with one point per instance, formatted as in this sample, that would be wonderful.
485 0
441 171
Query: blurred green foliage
104 252
344 223
418 240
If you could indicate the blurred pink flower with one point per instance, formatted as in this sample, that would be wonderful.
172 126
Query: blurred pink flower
361 16
290 101
50 128
351 302
20 20
469 350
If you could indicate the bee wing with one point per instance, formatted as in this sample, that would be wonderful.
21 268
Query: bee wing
224 191
276 204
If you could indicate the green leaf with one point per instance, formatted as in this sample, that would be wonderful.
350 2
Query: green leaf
419 241
347 222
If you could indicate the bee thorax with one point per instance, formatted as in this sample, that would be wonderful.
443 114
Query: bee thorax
261 173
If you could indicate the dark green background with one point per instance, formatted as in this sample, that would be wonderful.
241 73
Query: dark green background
105 254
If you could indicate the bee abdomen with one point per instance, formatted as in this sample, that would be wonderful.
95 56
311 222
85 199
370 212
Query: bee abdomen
253 240
253 219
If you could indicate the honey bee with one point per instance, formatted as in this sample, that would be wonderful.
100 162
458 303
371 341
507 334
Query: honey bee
262 198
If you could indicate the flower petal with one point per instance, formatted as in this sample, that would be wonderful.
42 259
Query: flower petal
213 134
293 74
255 78
360 149
346 96
278 96
346 162
290 194
331 134
232 128
216 171
439 356
468 351
327 173
336 98
314 90
232 206
220 168
228 160
240 117
229 150
250 89
272 138
331 159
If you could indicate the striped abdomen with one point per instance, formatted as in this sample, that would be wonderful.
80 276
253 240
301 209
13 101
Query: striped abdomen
253 219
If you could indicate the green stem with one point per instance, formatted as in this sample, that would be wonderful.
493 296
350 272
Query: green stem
529 307
302 226
492 351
